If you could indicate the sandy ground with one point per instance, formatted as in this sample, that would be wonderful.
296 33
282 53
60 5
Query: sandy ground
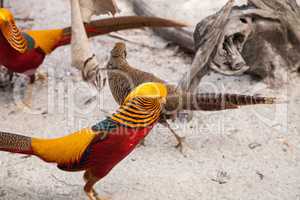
249 153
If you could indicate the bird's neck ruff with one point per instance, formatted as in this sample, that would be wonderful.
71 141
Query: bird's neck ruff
14 36
139 112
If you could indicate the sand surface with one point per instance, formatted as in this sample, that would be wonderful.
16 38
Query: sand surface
248 153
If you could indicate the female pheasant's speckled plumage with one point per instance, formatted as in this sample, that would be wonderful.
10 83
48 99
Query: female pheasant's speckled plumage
123 78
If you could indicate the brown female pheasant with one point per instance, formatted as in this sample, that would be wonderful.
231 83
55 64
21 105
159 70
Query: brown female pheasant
123 78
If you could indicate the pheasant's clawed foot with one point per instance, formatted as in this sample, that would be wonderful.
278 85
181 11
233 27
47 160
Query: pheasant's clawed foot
102 198
182 146
41 77
180 139
94 196
179 145
25 103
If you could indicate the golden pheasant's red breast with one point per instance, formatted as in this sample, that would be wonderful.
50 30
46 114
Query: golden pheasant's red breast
105 154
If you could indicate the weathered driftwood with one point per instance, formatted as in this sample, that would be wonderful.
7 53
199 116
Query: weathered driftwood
256 34
253 36
184 38
206 47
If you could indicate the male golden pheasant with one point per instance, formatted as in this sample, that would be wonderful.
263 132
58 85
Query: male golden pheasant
123 78
24 52
98 149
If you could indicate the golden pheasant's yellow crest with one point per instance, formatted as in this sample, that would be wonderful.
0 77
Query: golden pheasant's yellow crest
150 89
11 32
5 15
142 107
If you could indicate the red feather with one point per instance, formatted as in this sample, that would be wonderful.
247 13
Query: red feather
15 61
103 155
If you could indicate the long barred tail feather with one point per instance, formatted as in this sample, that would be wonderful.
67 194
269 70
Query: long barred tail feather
15 143
104 26
214 102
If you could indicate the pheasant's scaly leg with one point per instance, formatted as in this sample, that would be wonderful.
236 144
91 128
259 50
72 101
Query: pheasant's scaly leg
28 95
27 101
88 188
179 139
